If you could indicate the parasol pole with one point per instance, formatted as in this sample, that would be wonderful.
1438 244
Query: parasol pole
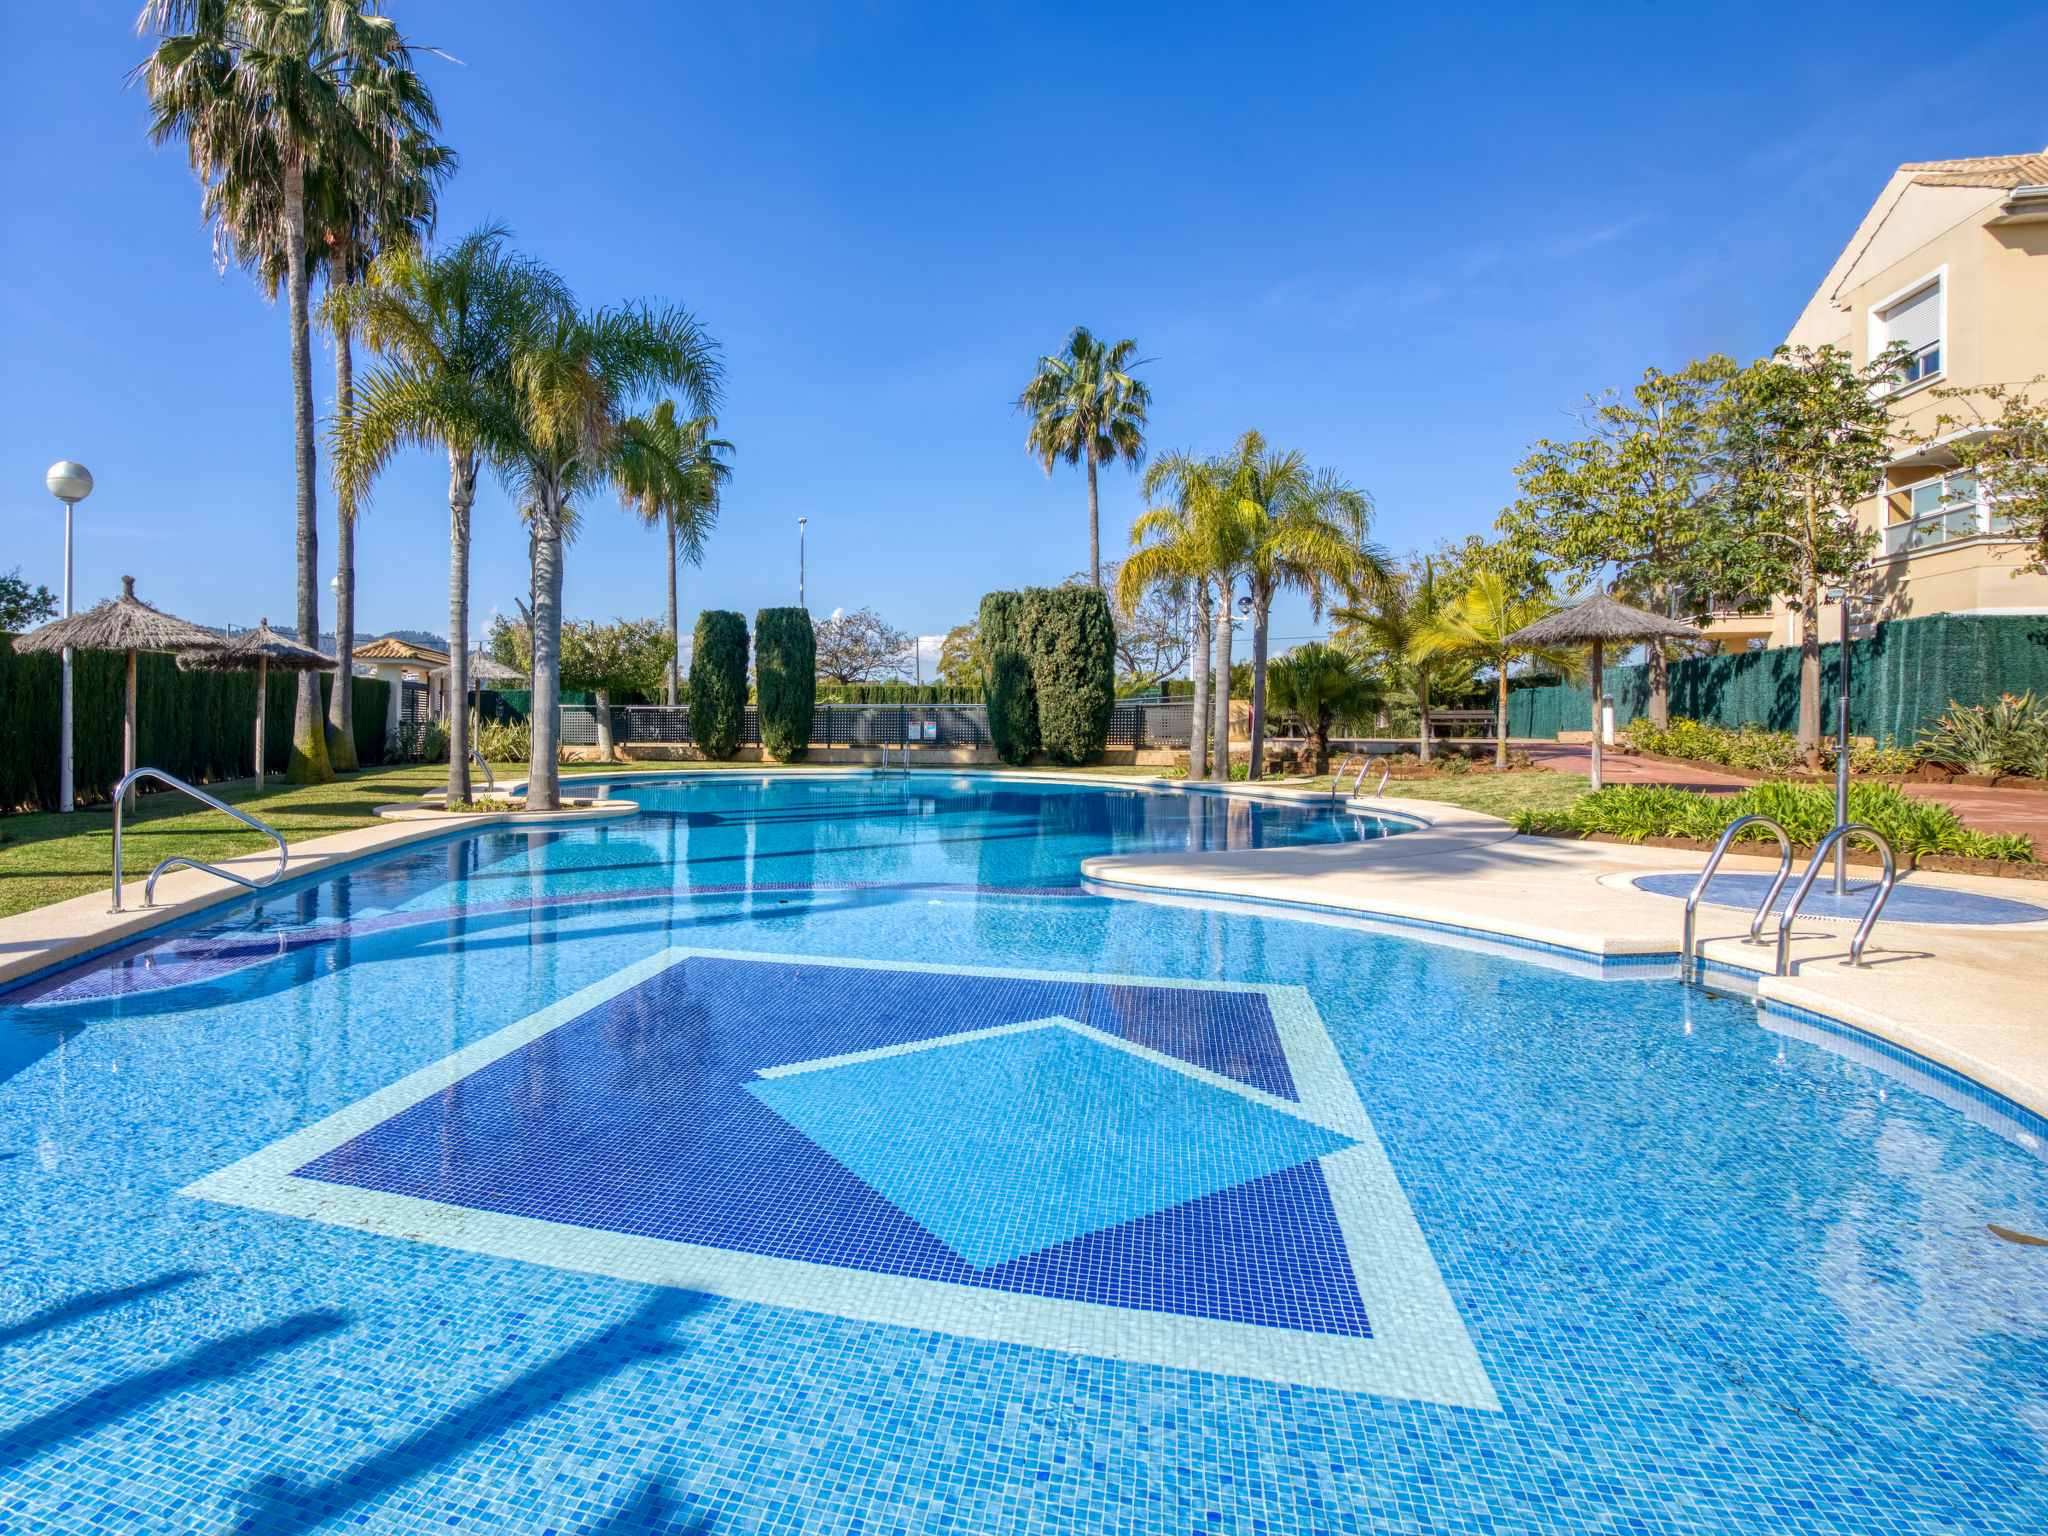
128 737
262 698
1597 645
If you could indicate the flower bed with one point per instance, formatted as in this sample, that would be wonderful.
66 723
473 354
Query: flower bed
1915 828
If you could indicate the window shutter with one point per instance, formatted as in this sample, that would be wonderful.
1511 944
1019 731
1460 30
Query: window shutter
1915 321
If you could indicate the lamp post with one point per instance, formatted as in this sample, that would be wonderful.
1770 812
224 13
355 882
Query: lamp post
70 483
800 560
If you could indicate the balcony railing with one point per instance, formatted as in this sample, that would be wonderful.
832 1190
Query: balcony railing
1939 512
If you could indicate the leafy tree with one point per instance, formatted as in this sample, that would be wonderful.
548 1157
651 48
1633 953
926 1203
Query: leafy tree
860 647
1154 635
1314 684
573 382
718 682
1812 433
786 681
671 471
1478 625
509 642
23 606
2009 459
960 659
1301 529
1645 490
625 656
1087 407
265 95
449 327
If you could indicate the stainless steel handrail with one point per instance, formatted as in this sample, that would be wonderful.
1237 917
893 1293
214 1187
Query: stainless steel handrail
1756 923
149 887
1386 772
1820 856
490 779
902 757
1337 779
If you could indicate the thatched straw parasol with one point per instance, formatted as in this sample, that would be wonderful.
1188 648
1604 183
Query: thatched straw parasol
257 651
1595 621
125 623
481 669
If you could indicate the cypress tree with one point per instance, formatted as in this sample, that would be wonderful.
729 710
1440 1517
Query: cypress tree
786 681
718 683
1069 639
1009 704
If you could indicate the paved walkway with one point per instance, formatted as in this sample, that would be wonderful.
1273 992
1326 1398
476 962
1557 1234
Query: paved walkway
1988 810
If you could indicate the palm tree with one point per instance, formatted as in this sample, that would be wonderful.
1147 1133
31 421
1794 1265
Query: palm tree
1188 541
1390 624
1478 625
670 470
1086 407
1304 530
1313 684
572 387
259 91
449 326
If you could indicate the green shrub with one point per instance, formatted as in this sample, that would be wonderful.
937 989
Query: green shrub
2008 735
1071 645
718 682
786 680
1009 704
1000 628
504 741
1807 812
1747 746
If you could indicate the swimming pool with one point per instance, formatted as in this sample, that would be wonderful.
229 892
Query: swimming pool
816 1155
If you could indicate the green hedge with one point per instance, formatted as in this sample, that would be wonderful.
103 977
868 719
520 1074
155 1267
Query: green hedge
898 693
1900 680
786 679
1009 704
718 682
199 726
1070 641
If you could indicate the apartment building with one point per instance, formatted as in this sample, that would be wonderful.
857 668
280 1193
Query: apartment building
1951 262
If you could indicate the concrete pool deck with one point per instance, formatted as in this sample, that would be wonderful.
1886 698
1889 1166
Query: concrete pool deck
1974 999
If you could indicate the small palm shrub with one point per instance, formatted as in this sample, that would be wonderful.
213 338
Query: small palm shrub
2009 735
505 741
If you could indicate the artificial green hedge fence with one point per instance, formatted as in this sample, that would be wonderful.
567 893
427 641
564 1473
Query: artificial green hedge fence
893 692
718 682
1064 699
1900 680
786 681
198 726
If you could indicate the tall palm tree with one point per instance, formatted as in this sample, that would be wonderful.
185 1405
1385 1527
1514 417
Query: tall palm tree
1087 407
1477 626
1188 540
573 385
671 470
1303 530
1391 622
258 90
449 326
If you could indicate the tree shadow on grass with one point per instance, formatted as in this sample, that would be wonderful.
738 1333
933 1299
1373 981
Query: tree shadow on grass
221 1360
279 1504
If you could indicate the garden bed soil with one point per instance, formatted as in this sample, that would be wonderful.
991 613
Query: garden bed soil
1927 773
1933 863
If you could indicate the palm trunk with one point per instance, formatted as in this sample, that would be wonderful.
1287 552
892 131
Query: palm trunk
1094 526
1319 744
128 737
309 763
1198 725
1221 685
1809 667
1500 725
1422 711
675 638
341 709
543 780
262 697
461 496
604 725
1262 605
1597 777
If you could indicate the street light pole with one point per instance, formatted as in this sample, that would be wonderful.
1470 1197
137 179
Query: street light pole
70 483
800 560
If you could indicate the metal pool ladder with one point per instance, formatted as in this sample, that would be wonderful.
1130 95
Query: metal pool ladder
490 779
149 888
1364 767
902 758
1756 923
1820 854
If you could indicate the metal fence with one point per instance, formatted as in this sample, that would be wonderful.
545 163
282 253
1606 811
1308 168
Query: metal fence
1131 726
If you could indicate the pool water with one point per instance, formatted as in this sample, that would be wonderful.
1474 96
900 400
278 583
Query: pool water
805 1155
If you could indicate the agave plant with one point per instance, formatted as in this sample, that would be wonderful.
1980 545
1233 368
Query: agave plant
2009 735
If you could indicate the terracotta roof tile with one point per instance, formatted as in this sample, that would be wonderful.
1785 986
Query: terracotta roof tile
1989 171
388 649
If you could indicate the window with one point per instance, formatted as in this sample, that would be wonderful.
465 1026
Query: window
1935 511
1915 323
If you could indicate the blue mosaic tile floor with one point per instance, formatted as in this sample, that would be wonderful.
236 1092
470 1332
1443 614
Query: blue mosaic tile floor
1718 1277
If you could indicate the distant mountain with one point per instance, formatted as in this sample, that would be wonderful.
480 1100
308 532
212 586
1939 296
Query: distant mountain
425 637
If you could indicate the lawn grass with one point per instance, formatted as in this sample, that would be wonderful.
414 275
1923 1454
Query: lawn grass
1491 794
46 856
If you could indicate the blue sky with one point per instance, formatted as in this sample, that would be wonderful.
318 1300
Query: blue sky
1401 239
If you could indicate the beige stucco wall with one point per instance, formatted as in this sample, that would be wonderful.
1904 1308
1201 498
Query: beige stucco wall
1995 330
